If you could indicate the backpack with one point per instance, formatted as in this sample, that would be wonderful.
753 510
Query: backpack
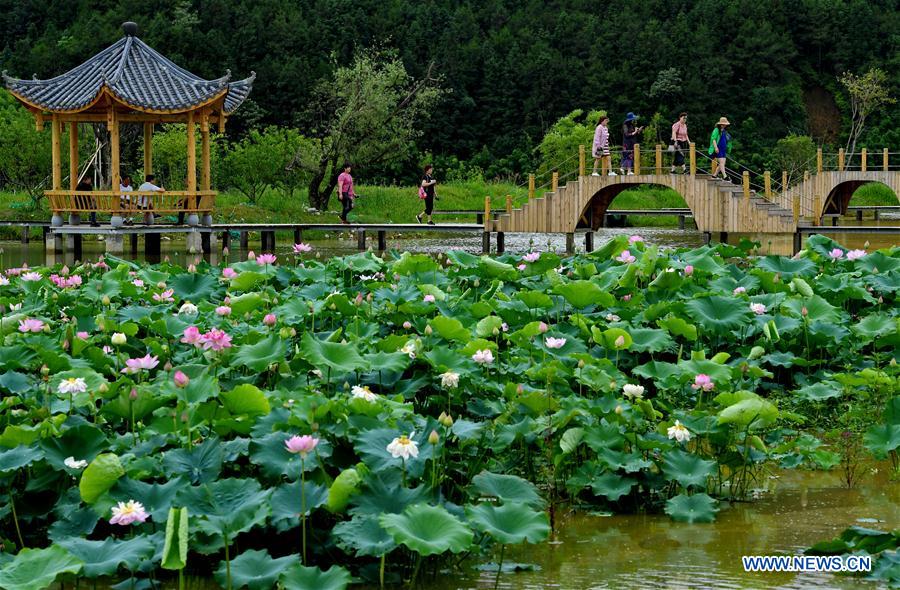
422 194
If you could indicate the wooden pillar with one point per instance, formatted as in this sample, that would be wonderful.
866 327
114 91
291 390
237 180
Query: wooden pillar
486 242
244 240
509 204
205 173
693 156
862 160
746 177
382 240
501 242
582 161
487 213
134 244
226 239
819 160
637 159
56 153
841 160
796 209
148 148
570 243
817 205
554 182
73 155
114 156
884 160
588 241
298 235
784 181
681 222
530 186
659 161
767 183
191 154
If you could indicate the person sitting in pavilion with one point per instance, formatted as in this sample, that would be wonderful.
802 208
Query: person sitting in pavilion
87 184
148 186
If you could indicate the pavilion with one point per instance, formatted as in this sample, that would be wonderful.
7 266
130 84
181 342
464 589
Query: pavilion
130 82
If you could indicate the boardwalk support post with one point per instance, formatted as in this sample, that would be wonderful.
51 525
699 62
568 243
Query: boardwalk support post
570 243
659 161
817 206
267 241
693 155
767 184
530 186
681 222
554 181
819 160
582 161
382 240
637 159
588 241
361 240
746 176
796 209
509 204
841 160
501 242
884 163
134 244
486 242
487 213
298 235
798 241
245 240
862 160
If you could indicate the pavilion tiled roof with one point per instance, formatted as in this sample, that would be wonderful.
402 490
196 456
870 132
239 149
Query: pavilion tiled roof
137 75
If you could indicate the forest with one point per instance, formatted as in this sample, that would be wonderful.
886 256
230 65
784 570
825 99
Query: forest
508 70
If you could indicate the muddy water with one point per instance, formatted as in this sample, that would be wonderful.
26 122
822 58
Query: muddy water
795 510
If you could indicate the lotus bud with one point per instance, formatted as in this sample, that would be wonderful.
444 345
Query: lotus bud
866 245
407 325
346 386
803 311
369 297
613 386
185 417
105 300
103 388
495 332
181 380
332 307
893 362
165 348
133 395
45 370
161 285
65 344
314 427
293 332
688 270
119 338
225 252
55 297
620 342
543 327
880 300
581 364
191 268
359 299
477 283
269 319
428 330
619 410
433 438
167 367
251 255
285 333
520 389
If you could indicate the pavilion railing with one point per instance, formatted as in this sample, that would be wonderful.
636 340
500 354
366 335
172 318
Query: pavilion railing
124 203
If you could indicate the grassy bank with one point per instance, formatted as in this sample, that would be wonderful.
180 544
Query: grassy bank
392 204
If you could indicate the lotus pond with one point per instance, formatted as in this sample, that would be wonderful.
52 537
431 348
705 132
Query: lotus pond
306 423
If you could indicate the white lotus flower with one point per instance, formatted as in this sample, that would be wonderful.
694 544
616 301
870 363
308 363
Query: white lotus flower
450 379
483 357
633 391
364 393
72 385
403 447
187 309
679 432
71 463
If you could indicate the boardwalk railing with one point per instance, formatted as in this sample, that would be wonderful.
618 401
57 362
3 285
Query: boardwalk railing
131 202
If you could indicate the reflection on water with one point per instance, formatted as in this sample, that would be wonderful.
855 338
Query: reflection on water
650 551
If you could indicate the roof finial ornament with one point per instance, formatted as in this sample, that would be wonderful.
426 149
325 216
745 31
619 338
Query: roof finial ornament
130 29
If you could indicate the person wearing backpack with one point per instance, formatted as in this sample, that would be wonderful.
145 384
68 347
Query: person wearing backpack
345 192
426 193
719 146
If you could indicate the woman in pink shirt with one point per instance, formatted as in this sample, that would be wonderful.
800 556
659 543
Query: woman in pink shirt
681 141
345 191
601 146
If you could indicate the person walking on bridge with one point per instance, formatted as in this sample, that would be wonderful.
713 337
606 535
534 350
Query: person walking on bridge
601 146
630 132
427 189
719 146
680 141
345 191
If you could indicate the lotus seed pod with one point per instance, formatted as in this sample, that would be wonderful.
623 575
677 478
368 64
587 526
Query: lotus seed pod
346 386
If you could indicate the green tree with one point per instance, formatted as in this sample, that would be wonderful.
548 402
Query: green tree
25 158
370 113
867 93
793 154
558 149
260 160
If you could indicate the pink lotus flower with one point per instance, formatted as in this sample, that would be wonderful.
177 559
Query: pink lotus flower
626 297
626 257
619 342
688 270
552 342
30 325
504 327
301 445
532 257
229 273
180 379
855 254
543 327
251 255
143 363
191 268
223 310
270 319
83 335
739 290
407 325
266 259
216 340
703 382
635 239
483 357
64 270
836 254
101 264
302 248
137 283
522 267
31 276
192 336
758 308
127 513
107 349
428 298
165 296
803 311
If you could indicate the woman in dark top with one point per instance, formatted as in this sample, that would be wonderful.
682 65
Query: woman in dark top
630 132
427 188
87 184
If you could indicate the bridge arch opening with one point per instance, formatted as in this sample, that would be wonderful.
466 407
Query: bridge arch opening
842 194
594 212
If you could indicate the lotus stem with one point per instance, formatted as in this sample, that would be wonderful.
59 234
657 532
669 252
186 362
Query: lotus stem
12 505
403 467
415 574
227 563
381 571
499 567
302 512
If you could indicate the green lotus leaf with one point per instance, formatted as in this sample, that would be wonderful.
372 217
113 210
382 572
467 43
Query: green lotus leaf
83 442
341 358
427 530
299 577
246 399
817 309
254 569
97 289
261 355
36 569
610 336
510 523
506 488
15 382
276 461
876 325
570 439
380 496
363 536
650 340
175 549
414 264
286 503
493 268
687 469
462 259
225 507
103 558
201 387
450 328
194 286
666 281
820 391
201 464
157 498
99 476
245 303
677 326
18 457
882 439
345 485
486 326
581 294
691 509
788 268
611 485
247 280
754 412
535 299
891 412
387 361
718 314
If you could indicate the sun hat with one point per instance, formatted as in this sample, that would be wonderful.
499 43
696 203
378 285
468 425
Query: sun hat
630 117
723 121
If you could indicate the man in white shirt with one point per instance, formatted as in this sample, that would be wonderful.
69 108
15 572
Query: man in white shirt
148 187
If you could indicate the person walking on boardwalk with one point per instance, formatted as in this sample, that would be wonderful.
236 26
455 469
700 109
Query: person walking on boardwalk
601 146
345 191
719 146
426 193
630 132
680 141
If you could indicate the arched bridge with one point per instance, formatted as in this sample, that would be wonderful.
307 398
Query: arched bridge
747 205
